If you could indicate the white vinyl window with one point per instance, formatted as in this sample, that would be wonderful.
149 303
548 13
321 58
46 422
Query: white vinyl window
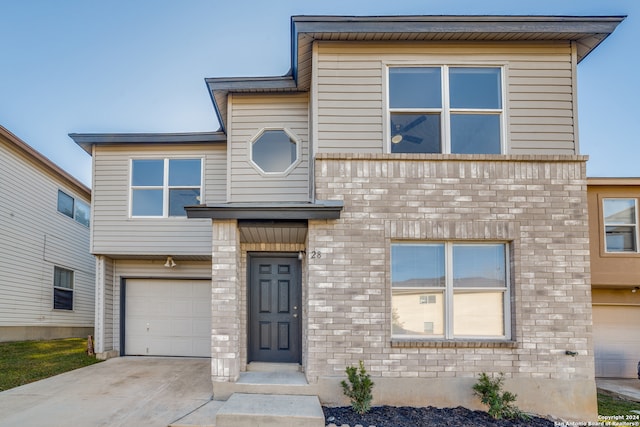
446 109
620 224
62 289
163 187
450 290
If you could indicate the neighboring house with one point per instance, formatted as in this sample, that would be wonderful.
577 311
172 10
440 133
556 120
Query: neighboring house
412 195
615 274
47 275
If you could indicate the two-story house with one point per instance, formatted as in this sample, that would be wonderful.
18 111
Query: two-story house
615 274
47 275
411 195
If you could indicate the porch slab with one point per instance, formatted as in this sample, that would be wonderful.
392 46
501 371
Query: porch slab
269 410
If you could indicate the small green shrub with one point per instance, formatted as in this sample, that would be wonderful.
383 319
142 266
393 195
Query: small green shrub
359 389
501 404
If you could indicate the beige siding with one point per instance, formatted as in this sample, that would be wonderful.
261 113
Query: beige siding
251 114
351 91
34 238
115 233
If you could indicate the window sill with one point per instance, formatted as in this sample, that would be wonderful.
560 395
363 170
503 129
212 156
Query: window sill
414 343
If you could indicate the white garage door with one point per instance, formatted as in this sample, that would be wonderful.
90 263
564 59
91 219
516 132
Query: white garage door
168 317
616 336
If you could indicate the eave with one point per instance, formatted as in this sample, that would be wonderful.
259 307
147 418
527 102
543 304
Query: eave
325 209
39 159
88 140
586 31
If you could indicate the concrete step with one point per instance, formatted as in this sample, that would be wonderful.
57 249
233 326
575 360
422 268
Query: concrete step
267 382
269 410
273 367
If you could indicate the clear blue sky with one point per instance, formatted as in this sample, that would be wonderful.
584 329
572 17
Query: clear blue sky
139 66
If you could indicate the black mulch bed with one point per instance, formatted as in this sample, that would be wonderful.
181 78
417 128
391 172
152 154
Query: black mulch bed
391 416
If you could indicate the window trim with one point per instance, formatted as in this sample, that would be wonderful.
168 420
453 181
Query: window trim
72 289
636 226
165 184
445 109
291 167
448 293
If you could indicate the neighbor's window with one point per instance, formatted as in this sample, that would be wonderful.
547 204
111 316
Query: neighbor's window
621 225
163 187
73 208
274 151
445 109
62 289
449 290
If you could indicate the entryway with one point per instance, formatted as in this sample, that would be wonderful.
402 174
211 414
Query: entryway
274 308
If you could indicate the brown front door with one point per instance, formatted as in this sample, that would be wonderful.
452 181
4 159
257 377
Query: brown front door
274 309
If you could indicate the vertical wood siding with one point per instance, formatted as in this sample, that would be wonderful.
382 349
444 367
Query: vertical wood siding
34 238
251 114
351 91
114 232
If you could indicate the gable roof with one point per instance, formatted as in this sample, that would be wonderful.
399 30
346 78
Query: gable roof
587 31
39 160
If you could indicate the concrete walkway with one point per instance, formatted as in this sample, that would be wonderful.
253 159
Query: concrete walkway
627 388
119 392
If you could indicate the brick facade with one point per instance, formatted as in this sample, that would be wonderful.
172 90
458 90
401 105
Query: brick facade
535 203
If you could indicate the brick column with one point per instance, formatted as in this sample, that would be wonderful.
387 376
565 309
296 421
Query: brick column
225 302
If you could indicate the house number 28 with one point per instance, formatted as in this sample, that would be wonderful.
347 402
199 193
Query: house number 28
316 255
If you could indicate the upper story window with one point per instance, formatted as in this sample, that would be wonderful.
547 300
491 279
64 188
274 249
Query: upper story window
163 187
446 109
274 151
73 208
62 289
621 225
450 290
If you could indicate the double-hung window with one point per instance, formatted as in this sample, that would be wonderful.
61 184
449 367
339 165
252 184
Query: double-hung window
450 290
62 289
621 225
446 109
163 187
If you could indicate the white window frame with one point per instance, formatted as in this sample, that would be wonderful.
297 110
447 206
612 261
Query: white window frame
290 168
445 111
165 185
635 226
62 288
448 292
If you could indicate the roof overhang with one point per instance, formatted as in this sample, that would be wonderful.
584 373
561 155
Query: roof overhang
38 158
613 181
88 140
586 31
324 209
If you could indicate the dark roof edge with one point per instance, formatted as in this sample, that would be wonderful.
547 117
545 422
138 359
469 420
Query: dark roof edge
325 209
45 161
87 140
456 18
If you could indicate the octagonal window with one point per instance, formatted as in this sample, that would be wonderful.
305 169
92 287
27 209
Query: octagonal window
274 151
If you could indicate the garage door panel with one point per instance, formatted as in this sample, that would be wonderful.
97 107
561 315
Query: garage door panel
616 337
168 318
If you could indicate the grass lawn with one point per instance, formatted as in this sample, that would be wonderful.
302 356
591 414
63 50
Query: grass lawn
611 406
24 362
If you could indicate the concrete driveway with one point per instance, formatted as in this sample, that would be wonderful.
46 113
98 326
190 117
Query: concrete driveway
125 391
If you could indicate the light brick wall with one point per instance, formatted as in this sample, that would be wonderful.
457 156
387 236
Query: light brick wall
536 203
226 332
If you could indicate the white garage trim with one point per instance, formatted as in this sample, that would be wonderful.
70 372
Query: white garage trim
167 317
616 338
